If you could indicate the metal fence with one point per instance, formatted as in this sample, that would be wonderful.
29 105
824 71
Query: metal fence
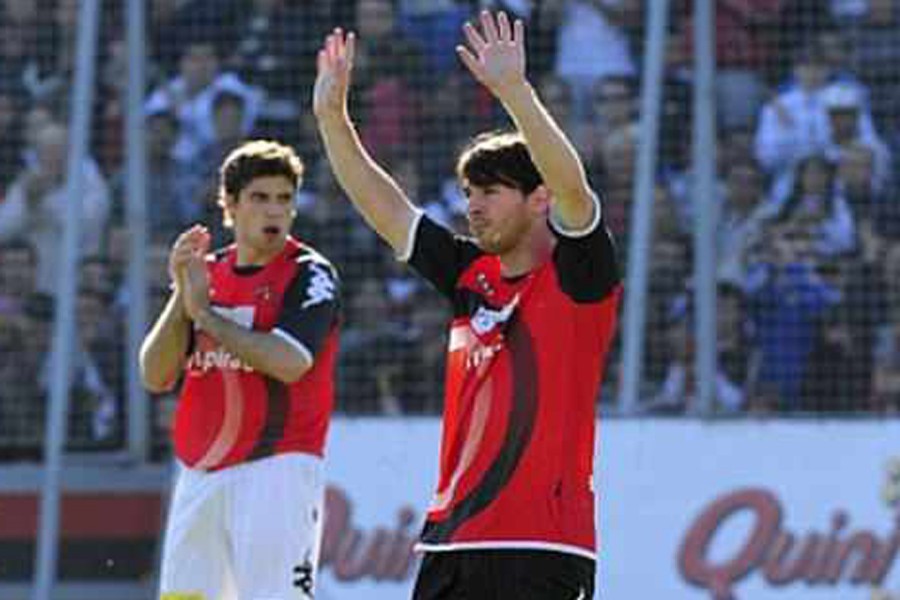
806 246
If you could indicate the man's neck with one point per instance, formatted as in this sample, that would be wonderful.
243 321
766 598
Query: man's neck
529 254
251 257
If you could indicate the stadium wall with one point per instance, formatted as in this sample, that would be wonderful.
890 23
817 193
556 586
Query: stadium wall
797 510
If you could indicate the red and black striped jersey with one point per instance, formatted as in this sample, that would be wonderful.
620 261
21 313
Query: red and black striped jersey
524 366
228 412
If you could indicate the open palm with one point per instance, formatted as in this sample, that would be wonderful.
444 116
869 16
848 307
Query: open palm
335 63
496 56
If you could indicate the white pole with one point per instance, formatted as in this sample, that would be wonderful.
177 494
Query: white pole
705 200
642 215
136 191
66 291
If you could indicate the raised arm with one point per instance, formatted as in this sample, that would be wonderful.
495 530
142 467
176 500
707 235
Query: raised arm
496 57
373 192
164 348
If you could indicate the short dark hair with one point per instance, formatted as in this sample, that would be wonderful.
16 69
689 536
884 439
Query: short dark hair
258 158
498 157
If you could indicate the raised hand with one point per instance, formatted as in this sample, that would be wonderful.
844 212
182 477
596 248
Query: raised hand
335 63
195 284
496 55
191 243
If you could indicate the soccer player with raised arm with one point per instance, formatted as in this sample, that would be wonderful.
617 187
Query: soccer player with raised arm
253 330
534 294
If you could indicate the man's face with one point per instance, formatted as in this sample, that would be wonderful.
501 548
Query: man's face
263 214
811 75
844 124
744 186
52 145
499 216
229 121
199 66
162 133
614 102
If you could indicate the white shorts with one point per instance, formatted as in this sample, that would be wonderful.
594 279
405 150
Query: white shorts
248 532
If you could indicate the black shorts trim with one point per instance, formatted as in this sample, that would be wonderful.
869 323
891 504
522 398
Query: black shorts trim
505 574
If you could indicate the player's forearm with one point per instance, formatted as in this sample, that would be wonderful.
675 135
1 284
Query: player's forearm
265 352
374 193
553 155
163 351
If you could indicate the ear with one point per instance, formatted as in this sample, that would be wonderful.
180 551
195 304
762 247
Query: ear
228 203
539 201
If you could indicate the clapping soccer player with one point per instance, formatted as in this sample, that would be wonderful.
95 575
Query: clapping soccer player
252 328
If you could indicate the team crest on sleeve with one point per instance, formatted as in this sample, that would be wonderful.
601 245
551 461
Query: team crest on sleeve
321 286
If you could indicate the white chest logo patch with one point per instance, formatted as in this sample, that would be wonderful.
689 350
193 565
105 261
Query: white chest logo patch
320 288
486 319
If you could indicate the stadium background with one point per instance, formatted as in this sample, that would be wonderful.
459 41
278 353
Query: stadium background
800 189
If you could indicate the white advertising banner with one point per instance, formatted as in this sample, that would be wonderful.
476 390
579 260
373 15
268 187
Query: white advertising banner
722 511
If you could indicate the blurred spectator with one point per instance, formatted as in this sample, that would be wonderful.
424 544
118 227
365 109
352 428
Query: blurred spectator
429 330
376 350
98 380
96 276
557 97
36 118
452 110
21 412
742 219
327 220
36 205
841 372
191 95
792 125
390 71
734 363
172 186
798 24
23 34
273 43
855 177
25 409
743 51
18 275
434 25
849 124
592 28
788 297
613 106
174 24
817 210
670 265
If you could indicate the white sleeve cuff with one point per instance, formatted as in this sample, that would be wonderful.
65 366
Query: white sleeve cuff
406 254
577 233
297 344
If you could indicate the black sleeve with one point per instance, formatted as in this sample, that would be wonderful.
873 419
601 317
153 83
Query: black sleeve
586 263
311 306
440 256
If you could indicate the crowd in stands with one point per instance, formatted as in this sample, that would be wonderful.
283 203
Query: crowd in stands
808 142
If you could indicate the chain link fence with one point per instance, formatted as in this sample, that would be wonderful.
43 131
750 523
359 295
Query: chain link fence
808 241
